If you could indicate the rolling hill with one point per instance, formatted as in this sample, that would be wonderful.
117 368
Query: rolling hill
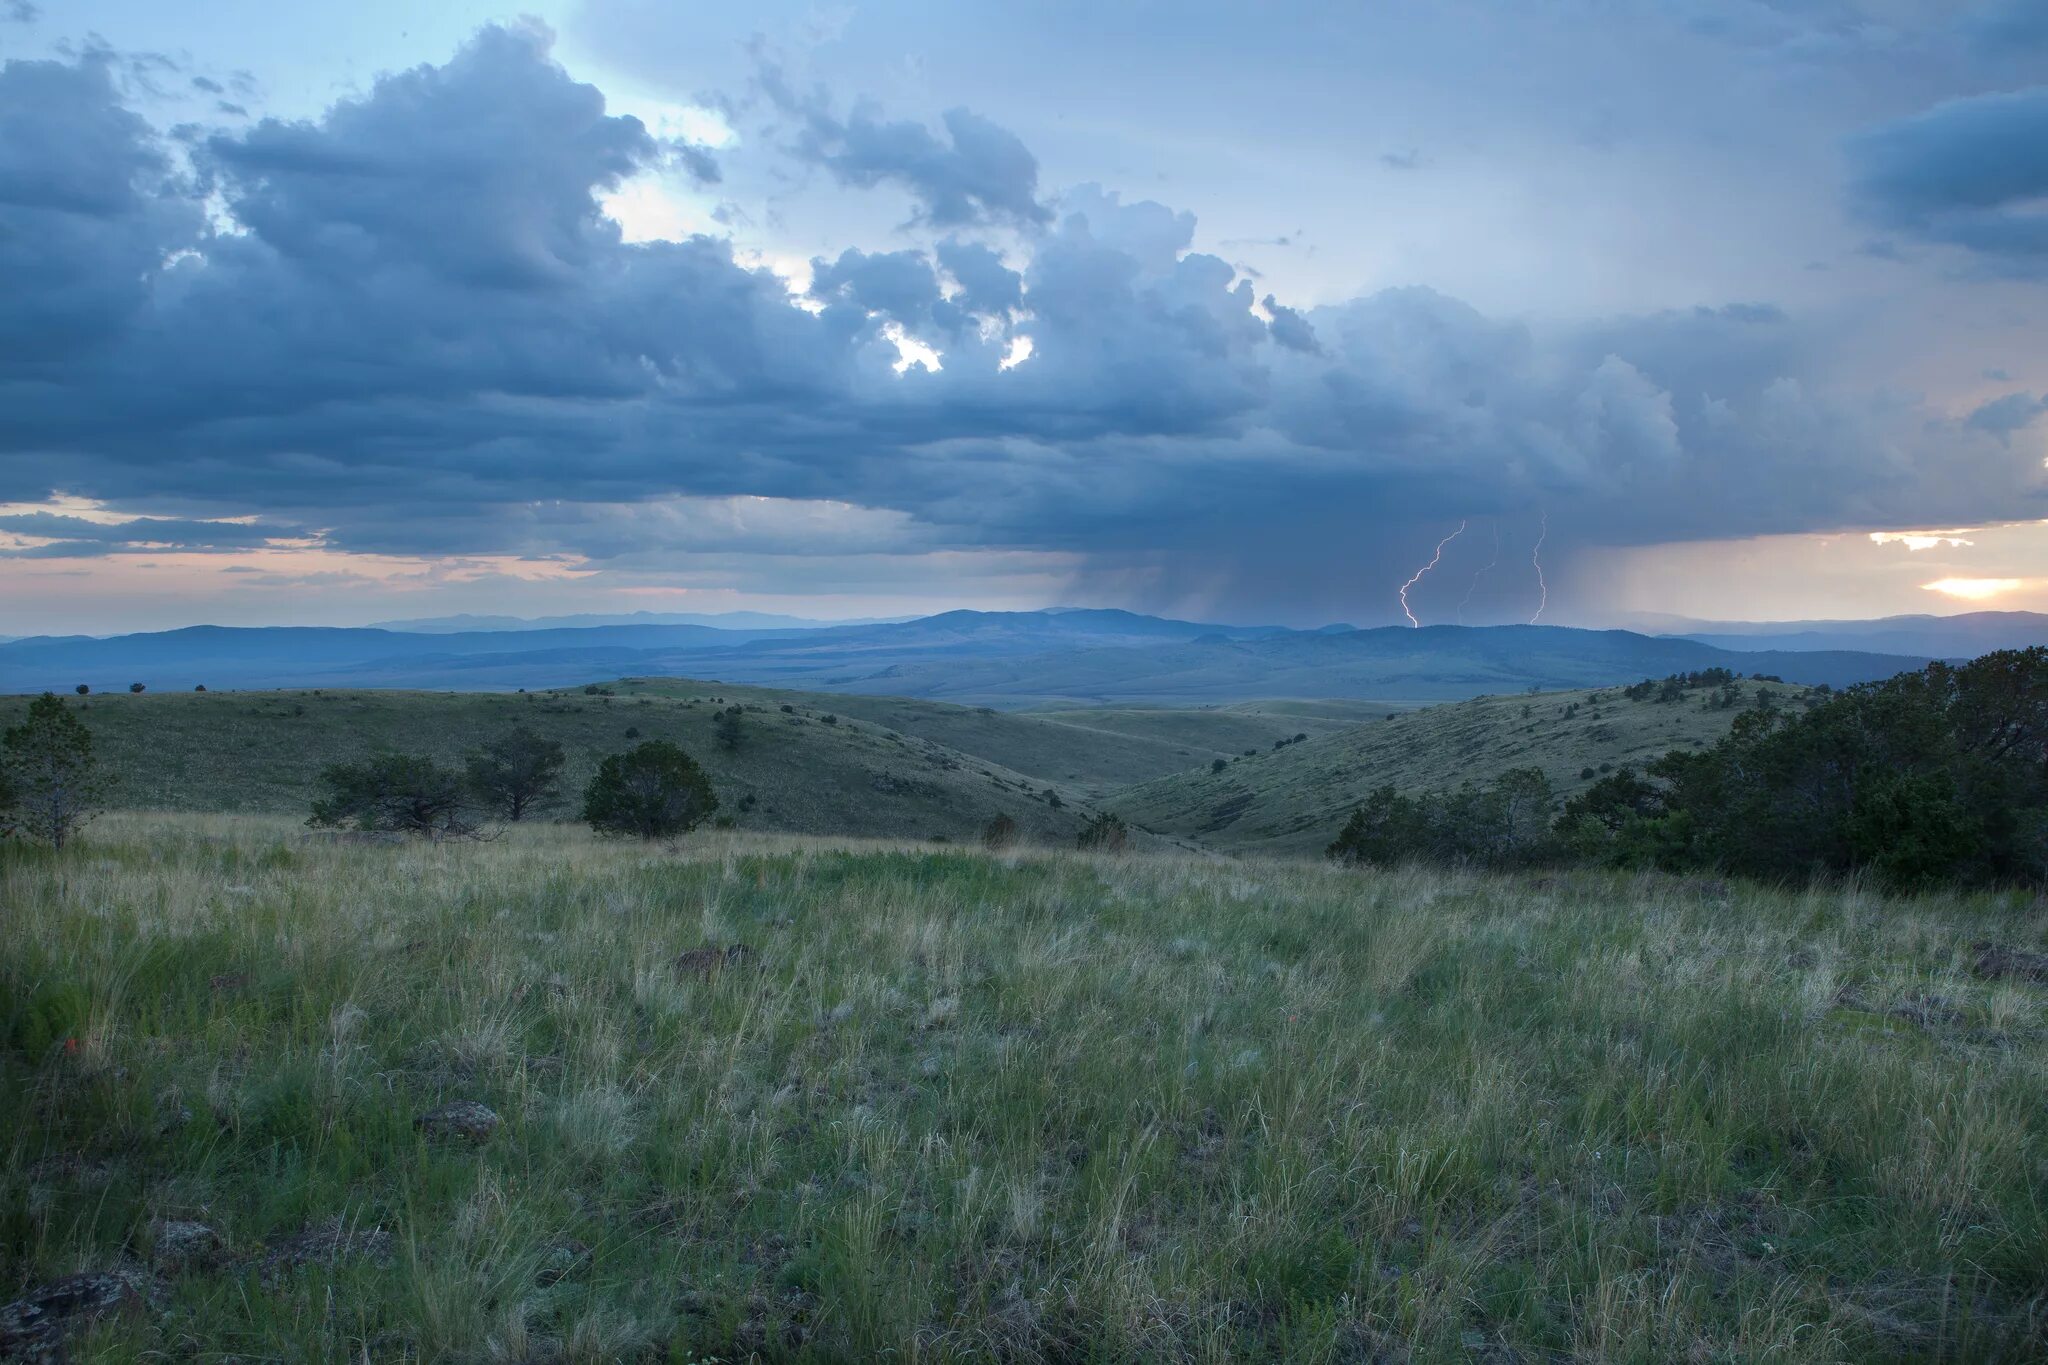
1292 801
793 771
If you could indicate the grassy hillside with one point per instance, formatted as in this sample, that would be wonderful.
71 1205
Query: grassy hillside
1091 751
1293 801
262 751
1202 733
953 1107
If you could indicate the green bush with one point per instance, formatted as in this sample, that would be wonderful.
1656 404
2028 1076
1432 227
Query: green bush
655 791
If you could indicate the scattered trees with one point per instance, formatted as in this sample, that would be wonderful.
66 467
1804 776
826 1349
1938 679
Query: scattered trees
517 774
395 793
655 791
50 783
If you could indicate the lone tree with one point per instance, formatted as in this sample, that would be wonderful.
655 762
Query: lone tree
1106 833
517 774
395 793
654 791
52 782
135 687
728 727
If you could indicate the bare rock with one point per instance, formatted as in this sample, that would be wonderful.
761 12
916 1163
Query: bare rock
33 1327
1996 961
181 1244
710 959
699 961
465 1119
323 1244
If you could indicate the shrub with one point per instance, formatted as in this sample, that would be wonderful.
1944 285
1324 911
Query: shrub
82 689
135 687
517 774
1504 824
1106 833
397 794
52 783
1218 765
655 791
999 833
727 727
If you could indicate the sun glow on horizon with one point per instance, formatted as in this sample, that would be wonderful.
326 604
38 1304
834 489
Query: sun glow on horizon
1973 589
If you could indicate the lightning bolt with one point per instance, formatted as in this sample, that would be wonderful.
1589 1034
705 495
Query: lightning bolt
1425 569
1536 561
1467 601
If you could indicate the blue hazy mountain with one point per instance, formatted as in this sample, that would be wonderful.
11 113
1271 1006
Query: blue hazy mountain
989 658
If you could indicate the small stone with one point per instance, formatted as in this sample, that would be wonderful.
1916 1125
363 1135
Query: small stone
700 961
461 1119
177 1243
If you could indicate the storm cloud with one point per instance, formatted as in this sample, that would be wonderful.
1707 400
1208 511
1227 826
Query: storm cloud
409 326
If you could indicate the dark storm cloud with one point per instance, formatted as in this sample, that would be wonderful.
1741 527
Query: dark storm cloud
71 537
422 335
1967 173
2013 413
980 172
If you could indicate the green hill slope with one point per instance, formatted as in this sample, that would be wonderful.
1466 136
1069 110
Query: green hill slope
261 752
1294 800
1090 759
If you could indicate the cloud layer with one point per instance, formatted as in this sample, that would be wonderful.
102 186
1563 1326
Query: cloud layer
409 326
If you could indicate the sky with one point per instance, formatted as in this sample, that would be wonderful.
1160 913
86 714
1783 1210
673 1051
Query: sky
1592 312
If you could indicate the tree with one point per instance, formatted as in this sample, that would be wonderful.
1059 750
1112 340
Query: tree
517 774
53 783
998 834
1106 833
728 728
655 791
135 687
82 689
1217 765
395 793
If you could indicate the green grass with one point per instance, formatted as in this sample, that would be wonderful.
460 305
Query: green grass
1035 1107
1293 802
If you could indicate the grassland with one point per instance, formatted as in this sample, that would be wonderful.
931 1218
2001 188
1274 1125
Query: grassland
1036 1107
1293 801
261 752
882 766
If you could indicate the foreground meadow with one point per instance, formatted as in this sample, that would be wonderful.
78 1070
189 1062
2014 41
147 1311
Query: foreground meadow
1040 1106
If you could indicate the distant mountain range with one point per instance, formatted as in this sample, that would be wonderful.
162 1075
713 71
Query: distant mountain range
720 620
1965 635
1008 659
